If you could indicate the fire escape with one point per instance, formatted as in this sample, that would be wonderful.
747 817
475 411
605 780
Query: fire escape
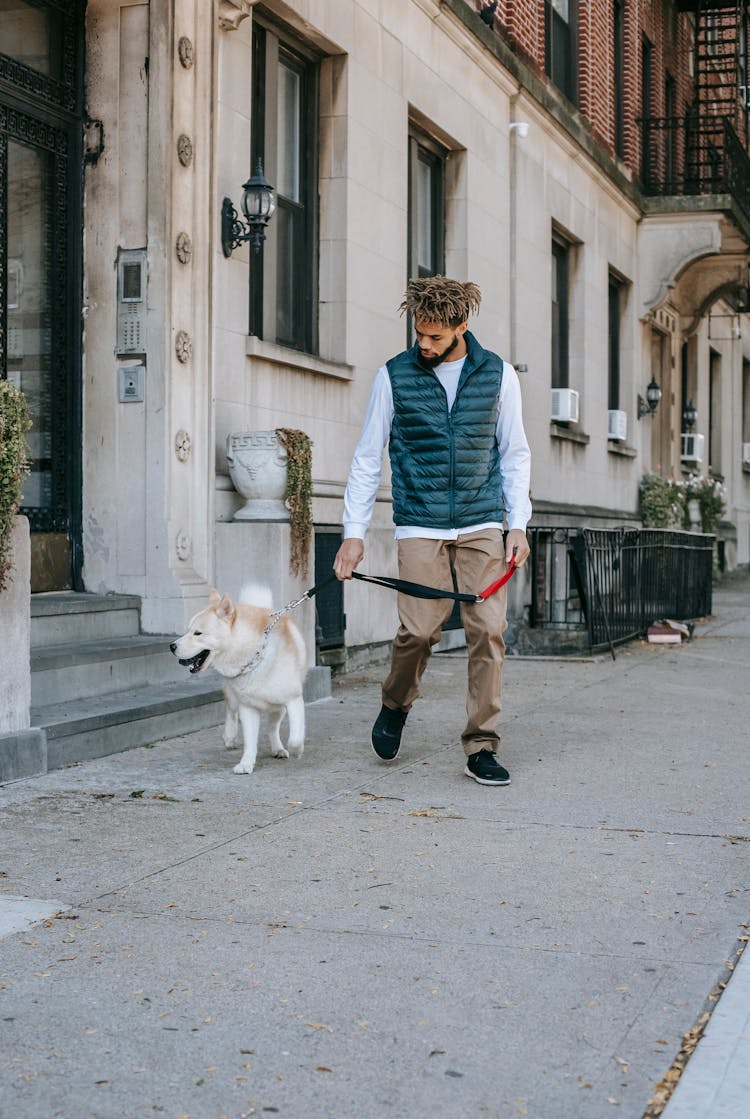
703 153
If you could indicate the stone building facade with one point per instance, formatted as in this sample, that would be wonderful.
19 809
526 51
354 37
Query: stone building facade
404 136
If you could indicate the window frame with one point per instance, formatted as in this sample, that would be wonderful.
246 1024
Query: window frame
423 149
560 48
273 47
615 300
618 49
560 312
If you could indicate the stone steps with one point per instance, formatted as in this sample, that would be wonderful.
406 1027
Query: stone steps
89 668
94 726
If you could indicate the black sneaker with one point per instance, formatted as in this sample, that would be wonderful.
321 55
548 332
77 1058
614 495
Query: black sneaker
485 768
386 733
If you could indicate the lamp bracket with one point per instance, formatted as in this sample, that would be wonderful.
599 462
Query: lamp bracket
644 408
235 232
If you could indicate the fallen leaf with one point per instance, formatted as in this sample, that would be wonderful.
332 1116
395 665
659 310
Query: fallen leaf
436 815
323 1068
318 1026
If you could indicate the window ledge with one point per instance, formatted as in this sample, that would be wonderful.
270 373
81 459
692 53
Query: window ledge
624 450
557 431
295 359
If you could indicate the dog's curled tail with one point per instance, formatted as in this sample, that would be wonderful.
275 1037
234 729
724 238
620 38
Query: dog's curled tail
254 594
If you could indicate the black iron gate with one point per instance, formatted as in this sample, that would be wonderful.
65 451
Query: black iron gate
615 582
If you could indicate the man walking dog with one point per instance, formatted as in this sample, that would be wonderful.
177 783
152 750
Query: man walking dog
451 413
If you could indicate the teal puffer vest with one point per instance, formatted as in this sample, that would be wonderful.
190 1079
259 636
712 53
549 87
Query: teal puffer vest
445 465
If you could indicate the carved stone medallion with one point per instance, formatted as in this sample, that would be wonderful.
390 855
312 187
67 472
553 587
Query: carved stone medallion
183 346
183 546
185 52
182 445
184 149
184 248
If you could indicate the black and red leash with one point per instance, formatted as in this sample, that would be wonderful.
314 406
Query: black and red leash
418 590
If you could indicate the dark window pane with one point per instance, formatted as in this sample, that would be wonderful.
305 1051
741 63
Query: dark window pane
559 315
290 302
33 36
289 132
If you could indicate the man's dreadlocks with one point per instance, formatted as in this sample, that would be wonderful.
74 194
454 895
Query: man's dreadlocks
441 300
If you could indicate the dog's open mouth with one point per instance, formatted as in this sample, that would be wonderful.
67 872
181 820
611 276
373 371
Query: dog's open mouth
196 663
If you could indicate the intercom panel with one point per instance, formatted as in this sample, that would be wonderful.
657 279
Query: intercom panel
131 301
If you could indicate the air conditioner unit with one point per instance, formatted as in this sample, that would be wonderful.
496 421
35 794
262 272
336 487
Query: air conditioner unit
745 450
692 447
565 405
617 424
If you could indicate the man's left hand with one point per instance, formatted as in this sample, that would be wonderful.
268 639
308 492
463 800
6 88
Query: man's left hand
517 547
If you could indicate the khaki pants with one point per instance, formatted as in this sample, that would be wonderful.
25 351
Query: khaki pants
477 560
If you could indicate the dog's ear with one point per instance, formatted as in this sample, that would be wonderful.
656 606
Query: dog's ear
226 610
214 598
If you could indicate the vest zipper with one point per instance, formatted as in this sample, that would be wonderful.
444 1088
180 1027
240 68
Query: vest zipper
452 472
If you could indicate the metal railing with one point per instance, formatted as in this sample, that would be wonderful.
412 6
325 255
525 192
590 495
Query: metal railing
615 582
693 155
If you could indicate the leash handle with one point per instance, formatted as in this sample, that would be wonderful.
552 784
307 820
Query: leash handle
493 587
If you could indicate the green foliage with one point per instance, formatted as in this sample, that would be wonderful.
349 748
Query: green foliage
298 495
664 503
14 423
661 504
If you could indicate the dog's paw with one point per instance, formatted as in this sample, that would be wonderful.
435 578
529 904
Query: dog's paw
242 767
279 752
296 751
230 743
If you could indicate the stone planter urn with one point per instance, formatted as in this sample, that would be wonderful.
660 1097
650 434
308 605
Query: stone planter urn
257 467
694 514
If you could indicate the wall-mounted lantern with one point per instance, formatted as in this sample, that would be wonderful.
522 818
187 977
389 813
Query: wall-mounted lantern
258 204
689 416
648 406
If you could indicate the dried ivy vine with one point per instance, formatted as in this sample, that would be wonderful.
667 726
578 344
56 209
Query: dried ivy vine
298 494
14 423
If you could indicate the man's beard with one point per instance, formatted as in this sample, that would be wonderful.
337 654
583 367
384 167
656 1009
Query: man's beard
431 362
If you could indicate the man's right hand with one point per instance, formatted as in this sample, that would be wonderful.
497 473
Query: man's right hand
350 555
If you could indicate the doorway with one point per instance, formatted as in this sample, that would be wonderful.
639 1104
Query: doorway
40 267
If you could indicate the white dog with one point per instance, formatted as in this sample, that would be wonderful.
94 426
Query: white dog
260 673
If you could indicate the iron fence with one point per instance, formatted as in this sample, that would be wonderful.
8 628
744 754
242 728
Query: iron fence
614 583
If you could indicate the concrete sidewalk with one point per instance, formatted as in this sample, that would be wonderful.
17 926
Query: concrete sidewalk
336 937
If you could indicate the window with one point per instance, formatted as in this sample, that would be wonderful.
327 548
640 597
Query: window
714 413
284 135
426 252
559 40
560 312
647 57
616 293
618 37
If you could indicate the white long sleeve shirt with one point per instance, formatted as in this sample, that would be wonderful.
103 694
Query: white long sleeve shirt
367 463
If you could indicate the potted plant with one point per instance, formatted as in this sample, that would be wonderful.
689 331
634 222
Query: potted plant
711 498
661 502
14 423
